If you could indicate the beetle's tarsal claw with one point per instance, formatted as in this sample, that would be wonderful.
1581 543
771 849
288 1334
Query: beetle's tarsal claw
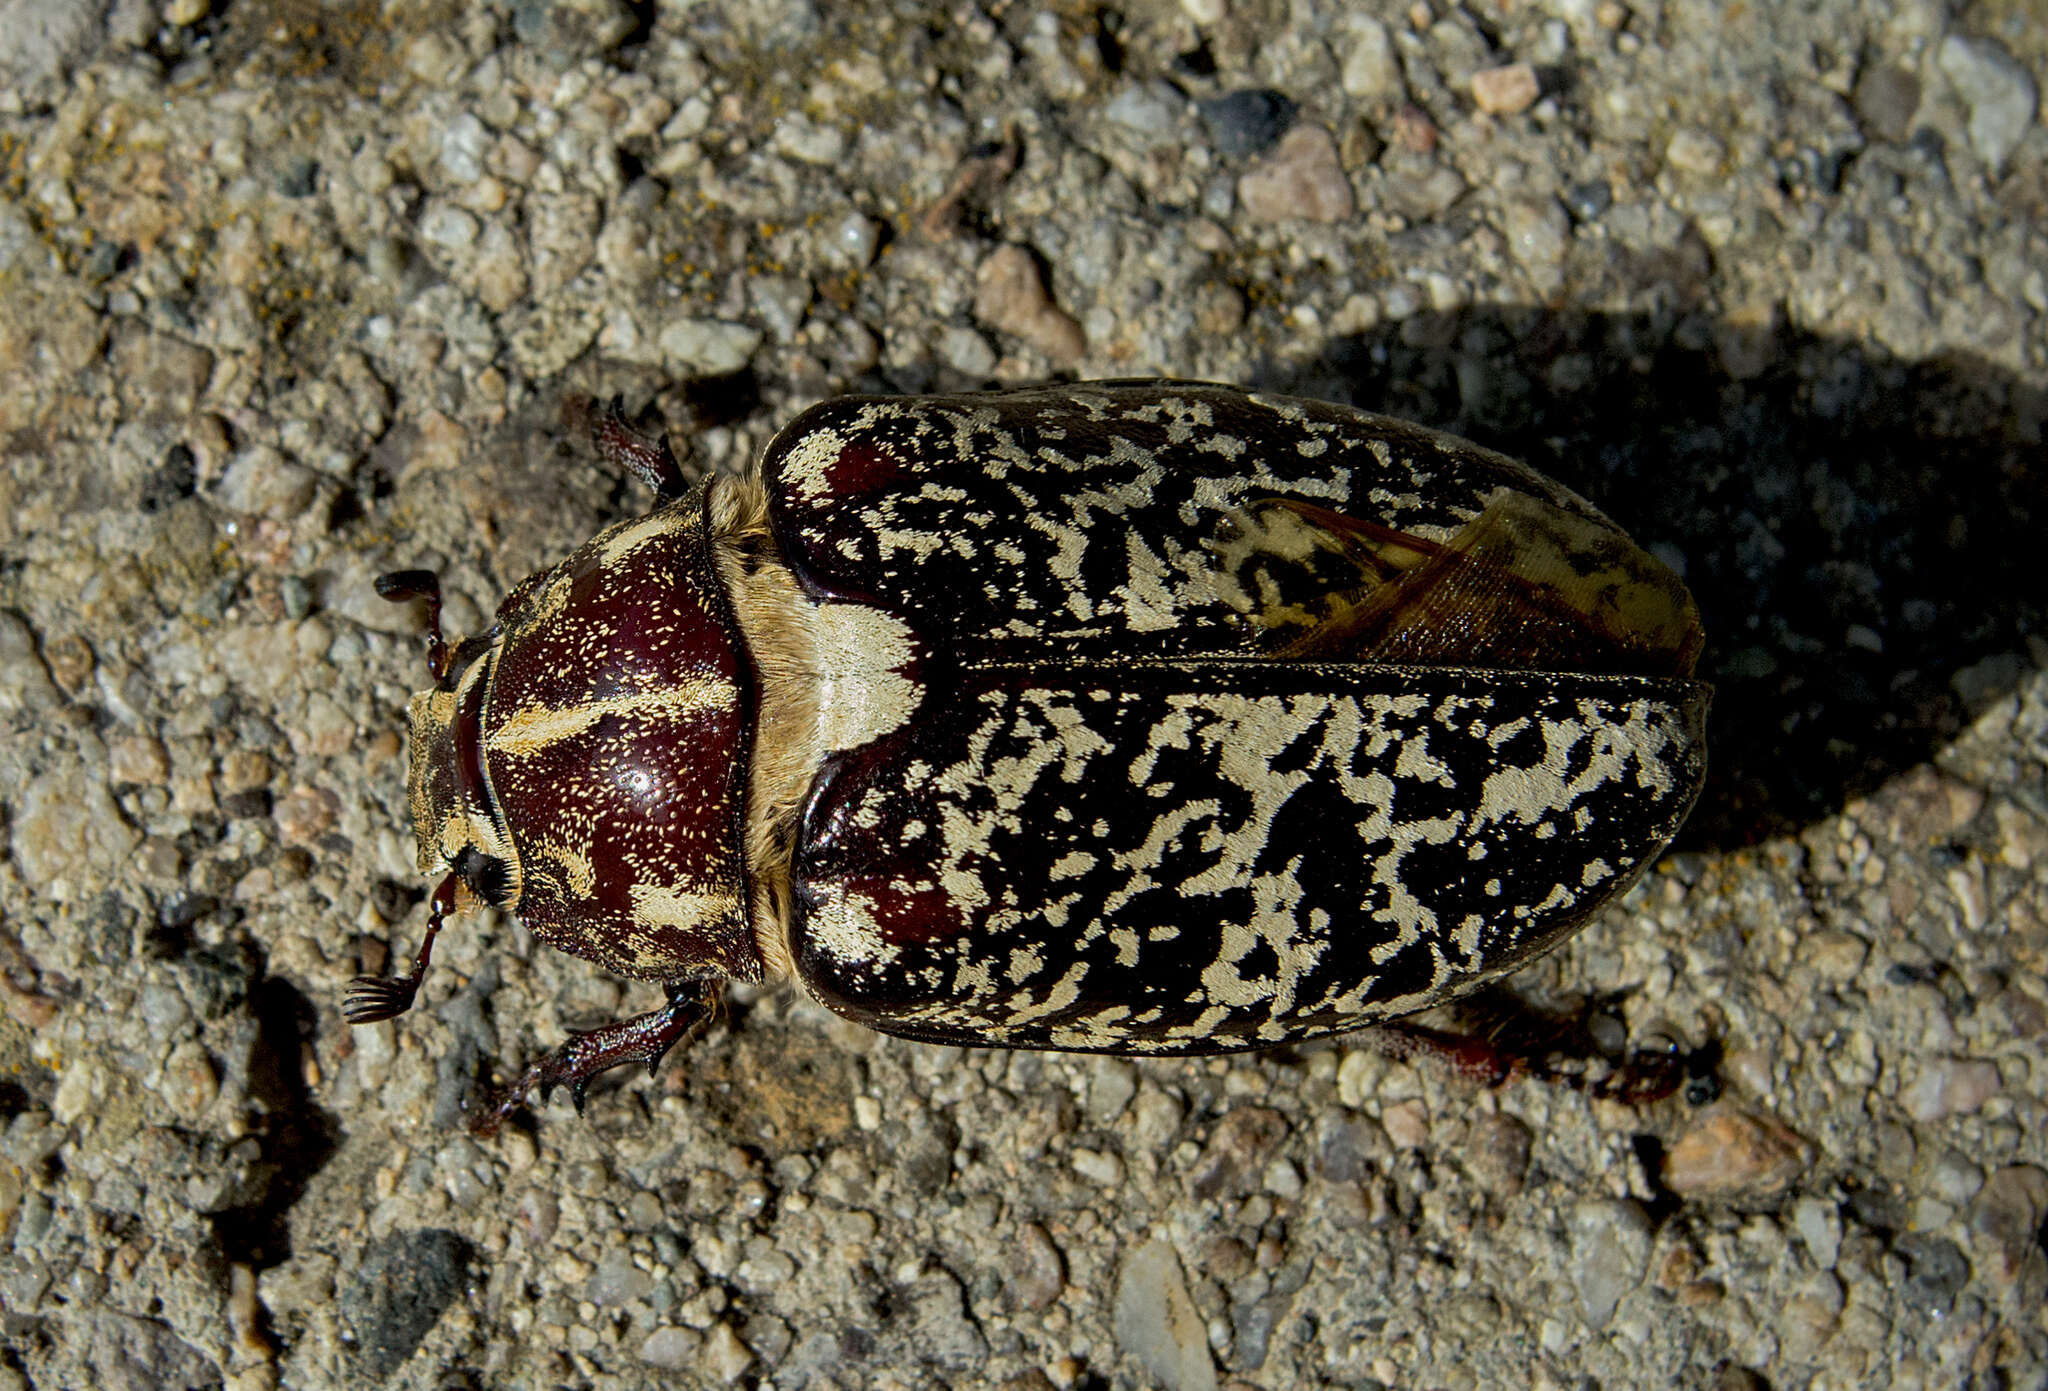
373 999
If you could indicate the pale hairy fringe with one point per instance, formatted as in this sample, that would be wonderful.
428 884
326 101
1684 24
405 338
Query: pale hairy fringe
781 633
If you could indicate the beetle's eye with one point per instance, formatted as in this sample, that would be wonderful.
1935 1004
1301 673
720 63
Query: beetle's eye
486 875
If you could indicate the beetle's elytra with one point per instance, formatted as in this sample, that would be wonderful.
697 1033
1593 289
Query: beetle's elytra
1130 717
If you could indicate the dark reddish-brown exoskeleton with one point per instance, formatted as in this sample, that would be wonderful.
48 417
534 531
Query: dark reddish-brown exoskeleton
1134 717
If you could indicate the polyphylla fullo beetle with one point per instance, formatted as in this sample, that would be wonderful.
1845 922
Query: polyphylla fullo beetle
1126 717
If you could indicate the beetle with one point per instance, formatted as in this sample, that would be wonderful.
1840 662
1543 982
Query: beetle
1138 717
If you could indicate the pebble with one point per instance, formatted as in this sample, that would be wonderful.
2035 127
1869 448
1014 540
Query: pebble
1372 71
726 1357
673 1349
1406 1124
853 241
1589 199
1936 1273
803 139
1729 1151
1301 178
2005 1222
1539 235
1496 1152
449 227
399 1291
1248 121
1819 1225
617 1281
1238 1145
1112 1082
1010 296
190 1082
1610 1242
24 681
463 142
1148 110
1506 90
69 836
1039 1273
1997 89
1695 152
1886 99
1156 1322
1948 1087
1155 1121
707 347
305 813
966 351
138 758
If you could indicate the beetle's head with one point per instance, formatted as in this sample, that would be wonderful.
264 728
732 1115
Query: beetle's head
455 823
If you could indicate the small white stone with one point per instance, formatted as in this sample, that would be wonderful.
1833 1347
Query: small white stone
447 226
1999 91
708 347
1695 152
1372 71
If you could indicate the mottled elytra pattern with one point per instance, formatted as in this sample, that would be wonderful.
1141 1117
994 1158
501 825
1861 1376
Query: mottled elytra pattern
615 740
1196 857
1116 821
1091 515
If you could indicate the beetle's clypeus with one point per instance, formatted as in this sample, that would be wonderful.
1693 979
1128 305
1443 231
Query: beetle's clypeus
1130 717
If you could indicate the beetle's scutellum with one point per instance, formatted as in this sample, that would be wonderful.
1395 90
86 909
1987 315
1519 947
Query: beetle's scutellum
1133 717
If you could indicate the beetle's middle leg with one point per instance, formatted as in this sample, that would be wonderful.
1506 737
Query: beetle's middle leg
1639 1078
643 1039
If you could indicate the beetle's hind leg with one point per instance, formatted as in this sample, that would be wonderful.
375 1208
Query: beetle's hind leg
644 1039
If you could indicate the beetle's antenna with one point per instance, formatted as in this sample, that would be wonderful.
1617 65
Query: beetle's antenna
372 999
403 586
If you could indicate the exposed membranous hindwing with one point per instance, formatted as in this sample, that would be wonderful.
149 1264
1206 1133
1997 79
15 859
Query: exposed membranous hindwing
1134 717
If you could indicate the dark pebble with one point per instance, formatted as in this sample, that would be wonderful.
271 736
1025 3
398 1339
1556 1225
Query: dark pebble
404 1283
1245 122
1936 1273
183 908
300 178
1885 100
252 805
1588 200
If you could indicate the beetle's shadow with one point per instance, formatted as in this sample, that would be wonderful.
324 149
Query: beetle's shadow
1865 535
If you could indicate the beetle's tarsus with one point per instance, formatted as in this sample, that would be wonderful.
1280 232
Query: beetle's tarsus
653 461
644 1039
373 999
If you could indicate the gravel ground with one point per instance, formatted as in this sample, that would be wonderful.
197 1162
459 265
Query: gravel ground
294 292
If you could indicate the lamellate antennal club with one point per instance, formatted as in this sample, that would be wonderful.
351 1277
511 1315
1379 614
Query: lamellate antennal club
1128 717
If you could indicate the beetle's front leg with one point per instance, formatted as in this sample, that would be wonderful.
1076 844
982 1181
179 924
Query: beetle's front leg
619 444
644 1039
373 999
